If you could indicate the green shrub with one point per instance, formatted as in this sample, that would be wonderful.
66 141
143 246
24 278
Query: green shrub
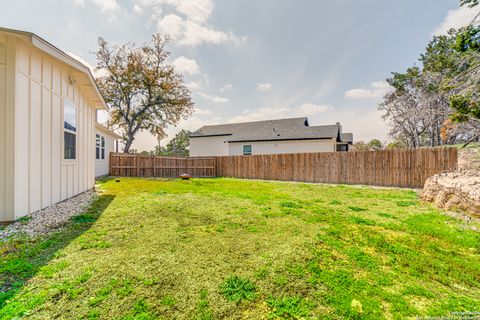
236 289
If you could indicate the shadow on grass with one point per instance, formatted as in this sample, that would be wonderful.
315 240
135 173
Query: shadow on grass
21 259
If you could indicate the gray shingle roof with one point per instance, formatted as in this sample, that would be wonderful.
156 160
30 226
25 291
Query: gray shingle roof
282 129
347 137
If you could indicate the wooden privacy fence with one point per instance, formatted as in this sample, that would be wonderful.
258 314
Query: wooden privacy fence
399 167
132 165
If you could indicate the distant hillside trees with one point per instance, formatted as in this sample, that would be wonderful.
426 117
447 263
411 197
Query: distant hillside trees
373 144
179 146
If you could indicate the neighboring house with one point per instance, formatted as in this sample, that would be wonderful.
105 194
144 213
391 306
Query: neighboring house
293 135
106 141
48 102
346 142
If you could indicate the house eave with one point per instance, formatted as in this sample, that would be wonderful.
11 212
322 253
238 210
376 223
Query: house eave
285 139
212 135
102 128
60 55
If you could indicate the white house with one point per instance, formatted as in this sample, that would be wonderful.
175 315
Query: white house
48 102
106 141
293 135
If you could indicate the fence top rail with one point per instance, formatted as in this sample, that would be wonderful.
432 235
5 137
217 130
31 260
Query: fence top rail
122 154
118 155
384 151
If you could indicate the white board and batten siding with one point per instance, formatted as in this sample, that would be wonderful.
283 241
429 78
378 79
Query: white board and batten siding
42 176
7 56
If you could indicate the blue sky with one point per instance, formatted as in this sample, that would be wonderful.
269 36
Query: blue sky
253 60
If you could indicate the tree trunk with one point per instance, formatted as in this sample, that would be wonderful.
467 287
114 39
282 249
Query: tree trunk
128 143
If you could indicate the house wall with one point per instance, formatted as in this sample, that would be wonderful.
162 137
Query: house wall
42 176
7 64
208 146
275 147
102 166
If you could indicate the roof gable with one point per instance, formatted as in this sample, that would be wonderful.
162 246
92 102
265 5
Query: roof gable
60 55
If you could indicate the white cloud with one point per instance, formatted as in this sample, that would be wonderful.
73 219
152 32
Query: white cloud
456 18
264 86
226 87
80 3
193 86
187 22
137 9
106 6
186 65
310 109
197 10
191 33
376 90
202 111
215 99
268 113
171 24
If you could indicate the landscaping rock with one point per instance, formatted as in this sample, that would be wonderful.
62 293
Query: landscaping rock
454 190
459 189
47 220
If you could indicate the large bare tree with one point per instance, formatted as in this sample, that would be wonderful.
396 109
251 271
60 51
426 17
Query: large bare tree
142 90
418 112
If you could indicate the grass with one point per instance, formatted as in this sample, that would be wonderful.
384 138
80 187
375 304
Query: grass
225 248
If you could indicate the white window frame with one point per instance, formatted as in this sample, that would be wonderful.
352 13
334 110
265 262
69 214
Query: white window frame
248 153
75 133
100 146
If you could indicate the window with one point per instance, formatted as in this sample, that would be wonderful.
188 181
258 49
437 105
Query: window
100 147
103 147
97 147
70 130
247 150
342 147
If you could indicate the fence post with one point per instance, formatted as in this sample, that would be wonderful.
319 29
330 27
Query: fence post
154 166
138 165
110 171
215 172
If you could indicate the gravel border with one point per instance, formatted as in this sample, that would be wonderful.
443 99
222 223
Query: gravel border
49 219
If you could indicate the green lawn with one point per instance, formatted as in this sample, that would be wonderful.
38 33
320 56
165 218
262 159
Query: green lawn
226 248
